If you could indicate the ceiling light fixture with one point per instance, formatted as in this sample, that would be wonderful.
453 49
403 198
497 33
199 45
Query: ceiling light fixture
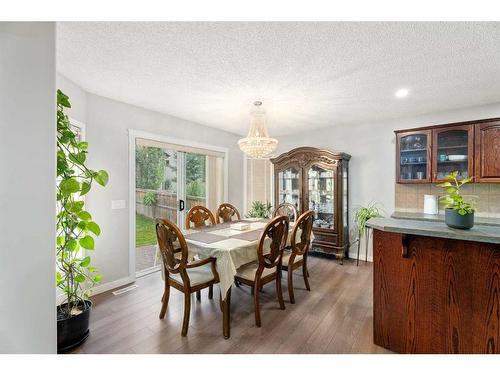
402 93
257 143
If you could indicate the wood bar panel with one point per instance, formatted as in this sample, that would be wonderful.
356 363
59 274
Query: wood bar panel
443 296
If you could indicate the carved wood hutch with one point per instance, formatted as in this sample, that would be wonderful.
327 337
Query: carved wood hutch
317 180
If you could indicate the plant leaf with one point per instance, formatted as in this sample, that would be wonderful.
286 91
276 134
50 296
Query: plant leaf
79 278
85 188
87 242
84 215
69 186
85 261
102 177
94 228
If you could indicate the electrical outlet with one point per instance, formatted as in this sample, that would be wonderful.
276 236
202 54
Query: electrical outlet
118 204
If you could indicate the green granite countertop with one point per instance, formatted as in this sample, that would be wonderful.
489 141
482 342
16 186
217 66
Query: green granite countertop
479 233
426 217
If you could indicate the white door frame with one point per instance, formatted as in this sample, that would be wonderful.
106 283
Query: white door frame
133 135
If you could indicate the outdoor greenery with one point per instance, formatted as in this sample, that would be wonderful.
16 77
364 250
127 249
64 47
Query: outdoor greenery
454 199
260 209
75 228
150 167
195 189
145 232
149 198
363 214
195 175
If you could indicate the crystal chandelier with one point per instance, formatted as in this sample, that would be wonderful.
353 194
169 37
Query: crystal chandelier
257 143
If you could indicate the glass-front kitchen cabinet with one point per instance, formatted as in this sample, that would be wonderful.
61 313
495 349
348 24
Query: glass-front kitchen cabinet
413 157
317 180
429 155
452 151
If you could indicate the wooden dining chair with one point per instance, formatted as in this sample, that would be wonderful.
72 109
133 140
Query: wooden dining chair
296 257
198 216
286 209
267 268
180 273
225 213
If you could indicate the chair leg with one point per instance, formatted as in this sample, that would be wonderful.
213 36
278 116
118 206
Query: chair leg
256 290
164 300
252 291
198 295
290 284
187 311
305 273
211 292
279 291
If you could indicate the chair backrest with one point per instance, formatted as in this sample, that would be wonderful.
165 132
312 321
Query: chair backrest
169 236
225 213
286 209
269 255
198 216
305 224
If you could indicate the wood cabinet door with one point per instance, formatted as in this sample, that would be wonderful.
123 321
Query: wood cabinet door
413 157
452 150
487 153
288 186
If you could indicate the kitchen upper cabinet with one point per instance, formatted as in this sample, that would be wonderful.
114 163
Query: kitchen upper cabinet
487 137
429 154
452 150
413 157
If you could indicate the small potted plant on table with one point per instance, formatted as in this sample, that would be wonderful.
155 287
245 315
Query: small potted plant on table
459 214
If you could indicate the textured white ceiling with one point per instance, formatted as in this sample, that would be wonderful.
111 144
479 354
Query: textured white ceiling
308 75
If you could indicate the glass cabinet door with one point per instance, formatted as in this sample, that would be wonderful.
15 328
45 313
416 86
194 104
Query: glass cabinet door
413 149
321 185
289 185
452 151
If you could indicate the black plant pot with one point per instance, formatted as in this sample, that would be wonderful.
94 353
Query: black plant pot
454 220
72 331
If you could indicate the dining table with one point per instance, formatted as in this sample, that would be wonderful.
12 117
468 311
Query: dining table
231 248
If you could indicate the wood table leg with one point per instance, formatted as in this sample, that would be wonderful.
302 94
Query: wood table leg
226 314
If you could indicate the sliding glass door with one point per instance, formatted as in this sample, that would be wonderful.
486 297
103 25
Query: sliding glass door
169 180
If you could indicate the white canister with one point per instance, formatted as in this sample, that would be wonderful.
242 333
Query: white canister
431 206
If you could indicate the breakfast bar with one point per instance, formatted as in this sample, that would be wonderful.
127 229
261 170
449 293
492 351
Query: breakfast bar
436 289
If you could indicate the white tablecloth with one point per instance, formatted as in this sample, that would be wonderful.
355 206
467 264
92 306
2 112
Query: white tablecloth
230 253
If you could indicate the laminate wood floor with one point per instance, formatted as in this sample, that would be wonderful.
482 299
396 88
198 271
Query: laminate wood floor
334 317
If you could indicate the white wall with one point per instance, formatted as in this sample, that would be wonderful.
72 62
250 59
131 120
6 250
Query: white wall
372 146
107 122
78 110
27 188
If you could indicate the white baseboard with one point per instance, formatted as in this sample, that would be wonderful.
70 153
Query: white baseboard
101 288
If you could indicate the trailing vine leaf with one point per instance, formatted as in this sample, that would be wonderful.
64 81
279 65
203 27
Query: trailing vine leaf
102 177
87 242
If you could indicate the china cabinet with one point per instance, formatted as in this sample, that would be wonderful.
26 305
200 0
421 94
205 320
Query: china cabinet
429 154
317 180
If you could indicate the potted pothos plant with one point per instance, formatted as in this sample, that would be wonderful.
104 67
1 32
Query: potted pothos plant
76 231
361 216
458 213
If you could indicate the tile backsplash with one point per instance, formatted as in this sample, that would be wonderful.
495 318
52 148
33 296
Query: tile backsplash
410 198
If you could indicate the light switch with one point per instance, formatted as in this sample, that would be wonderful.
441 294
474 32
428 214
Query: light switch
118 204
